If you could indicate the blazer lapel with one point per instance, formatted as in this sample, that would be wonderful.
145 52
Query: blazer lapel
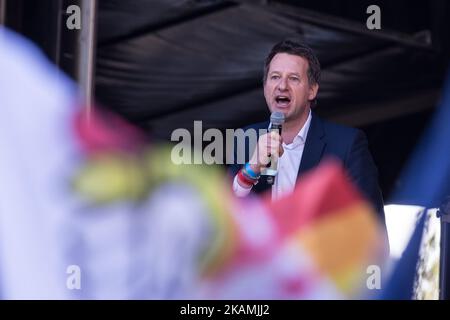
314 146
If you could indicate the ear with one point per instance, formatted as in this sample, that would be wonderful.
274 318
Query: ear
313 91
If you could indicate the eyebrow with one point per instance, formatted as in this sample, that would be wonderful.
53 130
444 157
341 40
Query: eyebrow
291 74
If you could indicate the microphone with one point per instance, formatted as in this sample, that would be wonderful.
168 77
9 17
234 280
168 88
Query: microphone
276 120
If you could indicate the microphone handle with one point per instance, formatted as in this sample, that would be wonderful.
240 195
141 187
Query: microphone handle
272 168
277 127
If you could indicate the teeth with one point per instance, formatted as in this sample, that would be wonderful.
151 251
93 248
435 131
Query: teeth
282 99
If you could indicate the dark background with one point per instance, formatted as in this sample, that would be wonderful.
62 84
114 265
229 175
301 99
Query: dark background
164 63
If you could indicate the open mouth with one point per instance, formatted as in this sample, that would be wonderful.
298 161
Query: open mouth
282 101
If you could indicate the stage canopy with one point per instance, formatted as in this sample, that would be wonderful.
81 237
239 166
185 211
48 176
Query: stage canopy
164 64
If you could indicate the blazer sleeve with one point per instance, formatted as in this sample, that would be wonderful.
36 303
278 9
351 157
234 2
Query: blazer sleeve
362 169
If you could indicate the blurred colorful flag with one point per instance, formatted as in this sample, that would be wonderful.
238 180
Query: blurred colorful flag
425 182
316 243
426 179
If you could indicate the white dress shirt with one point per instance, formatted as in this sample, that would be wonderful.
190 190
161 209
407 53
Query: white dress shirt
288 166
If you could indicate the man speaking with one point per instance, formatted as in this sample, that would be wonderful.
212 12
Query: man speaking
291 83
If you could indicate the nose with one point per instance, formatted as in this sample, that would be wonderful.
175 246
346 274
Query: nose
282 85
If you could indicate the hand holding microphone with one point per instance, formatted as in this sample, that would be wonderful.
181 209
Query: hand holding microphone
269 149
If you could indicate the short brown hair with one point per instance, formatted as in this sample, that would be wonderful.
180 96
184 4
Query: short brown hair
298 49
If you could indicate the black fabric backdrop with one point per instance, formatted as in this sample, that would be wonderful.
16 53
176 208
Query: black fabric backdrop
164 64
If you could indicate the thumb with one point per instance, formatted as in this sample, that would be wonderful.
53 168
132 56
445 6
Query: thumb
281 150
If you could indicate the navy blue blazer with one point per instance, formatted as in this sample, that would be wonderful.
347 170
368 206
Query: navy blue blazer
328 139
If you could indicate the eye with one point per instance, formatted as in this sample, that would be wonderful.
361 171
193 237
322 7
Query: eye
294 78
274 77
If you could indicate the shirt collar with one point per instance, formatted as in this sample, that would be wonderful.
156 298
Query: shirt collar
301 135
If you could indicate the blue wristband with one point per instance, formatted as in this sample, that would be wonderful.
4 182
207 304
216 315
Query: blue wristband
252 174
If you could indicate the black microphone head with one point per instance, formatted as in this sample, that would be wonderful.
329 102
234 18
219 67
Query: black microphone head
277 118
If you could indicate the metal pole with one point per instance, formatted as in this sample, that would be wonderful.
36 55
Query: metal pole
444 280
86 52
2 12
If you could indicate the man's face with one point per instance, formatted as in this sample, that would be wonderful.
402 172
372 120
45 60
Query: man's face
287 88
